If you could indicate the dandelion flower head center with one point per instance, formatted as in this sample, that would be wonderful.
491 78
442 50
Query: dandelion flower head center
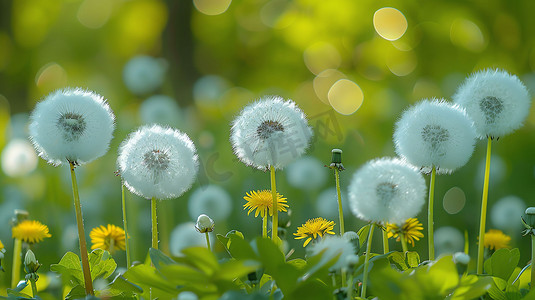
156 160
386 191
435 136
491 107
72 126
267 128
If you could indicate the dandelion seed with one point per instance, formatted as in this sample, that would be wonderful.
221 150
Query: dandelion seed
434 133
495 240
262 202
270 132
157 162
497 101
386 190
314 228
144 74
411 230
331 246
71 125
160 109
30 231
109 238
210 200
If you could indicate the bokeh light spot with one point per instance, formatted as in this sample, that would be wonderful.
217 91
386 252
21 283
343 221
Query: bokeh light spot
212 7
51 76
389 23
454 200
401 63
345 96
324 81
321 56
94 13
466 34
273 14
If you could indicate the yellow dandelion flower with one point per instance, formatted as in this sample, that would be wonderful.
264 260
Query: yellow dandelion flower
411 230
108 238
1 246
262 201
314 228
30 231
495 239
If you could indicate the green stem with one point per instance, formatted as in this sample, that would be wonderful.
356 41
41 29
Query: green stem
386 249
264 225
481 245
34 288
403 242
275 220
208 241
154 223
350 287
367 262
340 210
81 234
532 261
430 222
17 260
126 236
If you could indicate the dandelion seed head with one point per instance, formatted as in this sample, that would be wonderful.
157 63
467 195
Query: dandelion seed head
327 203
448 240
497 101
270 132
187 295
71 125
307 173
211 200
184 236
158 162
18 158
334 246
435 133
506 211
386 190
160 109
143 74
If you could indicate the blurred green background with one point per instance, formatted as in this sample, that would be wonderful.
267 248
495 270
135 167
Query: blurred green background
223 54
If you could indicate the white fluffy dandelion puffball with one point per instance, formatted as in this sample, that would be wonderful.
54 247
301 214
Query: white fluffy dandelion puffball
270 132
157 162
497 102
435 133
71 125
144 74
387 190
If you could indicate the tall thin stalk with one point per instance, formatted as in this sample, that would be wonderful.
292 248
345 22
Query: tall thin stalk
532 260
81 233
483 220
154 223
264 224
340 210
208 241
386 249
275 220
126 236
17 259
403 242
367 262
430 221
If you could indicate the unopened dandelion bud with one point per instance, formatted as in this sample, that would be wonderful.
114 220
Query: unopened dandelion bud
31 265
528 219
336 160
204 224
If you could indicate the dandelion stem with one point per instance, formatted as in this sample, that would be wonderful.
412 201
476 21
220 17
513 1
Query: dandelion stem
264 225
154 223
340 210
17 259
385 242
208 241
403 242
430 222
81 234
532 260
367 262
126 236
483 220
275 222
350 287
34 288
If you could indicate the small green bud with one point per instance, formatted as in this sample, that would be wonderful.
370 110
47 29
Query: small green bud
31 265
336 160
528 220
204 224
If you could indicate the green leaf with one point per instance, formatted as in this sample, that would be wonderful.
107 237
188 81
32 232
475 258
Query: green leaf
202 258
101 264
183 274
159 259
77 292
312 289
235 269
471 287
270 254
70 268
502 263
298 263
398 260
237 246
120 286
363 234
147 278
412 259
